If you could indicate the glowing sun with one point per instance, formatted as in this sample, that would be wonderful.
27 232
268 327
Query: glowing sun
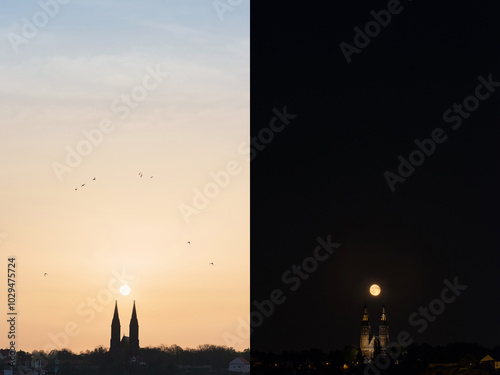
375 290
124 290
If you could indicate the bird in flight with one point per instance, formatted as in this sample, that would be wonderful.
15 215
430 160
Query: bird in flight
93 179
189 242
211 264
45 274
83 185
151 177
76 188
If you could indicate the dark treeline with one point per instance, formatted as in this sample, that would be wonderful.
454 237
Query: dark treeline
412 360
172 359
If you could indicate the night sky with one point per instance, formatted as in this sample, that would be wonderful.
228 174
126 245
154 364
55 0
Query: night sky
323 174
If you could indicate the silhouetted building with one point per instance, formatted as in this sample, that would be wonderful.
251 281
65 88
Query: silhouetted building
128 346
239 364
372 345
115 346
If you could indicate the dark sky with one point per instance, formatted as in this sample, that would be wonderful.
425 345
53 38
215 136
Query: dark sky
324 173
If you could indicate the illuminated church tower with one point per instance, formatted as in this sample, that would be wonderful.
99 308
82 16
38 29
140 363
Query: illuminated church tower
371 345
365 335
383 330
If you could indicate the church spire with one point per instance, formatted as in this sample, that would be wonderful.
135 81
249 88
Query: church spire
114 344
383 318
365 315
383 330
134 314
365 338
115 315
134 333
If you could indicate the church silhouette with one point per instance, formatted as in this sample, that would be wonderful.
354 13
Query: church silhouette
127 347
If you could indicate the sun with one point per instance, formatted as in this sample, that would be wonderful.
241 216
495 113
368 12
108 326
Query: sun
375 290
124 290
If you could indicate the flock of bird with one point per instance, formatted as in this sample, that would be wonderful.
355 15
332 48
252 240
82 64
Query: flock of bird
189 243
140 176
82 185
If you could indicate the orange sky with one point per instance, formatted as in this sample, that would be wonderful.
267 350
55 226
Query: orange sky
184 132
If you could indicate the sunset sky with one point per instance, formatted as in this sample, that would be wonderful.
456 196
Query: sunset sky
75 74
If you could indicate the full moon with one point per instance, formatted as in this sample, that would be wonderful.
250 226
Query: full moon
124 290
375 290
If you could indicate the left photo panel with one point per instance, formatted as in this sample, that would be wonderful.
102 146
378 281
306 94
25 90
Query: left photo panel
125 187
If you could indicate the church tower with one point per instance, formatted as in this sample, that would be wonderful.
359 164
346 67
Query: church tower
383 329
364 343
134 333
115 345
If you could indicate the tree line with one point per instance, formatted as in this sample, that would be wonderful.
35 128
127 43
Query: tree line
171 359
413 359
